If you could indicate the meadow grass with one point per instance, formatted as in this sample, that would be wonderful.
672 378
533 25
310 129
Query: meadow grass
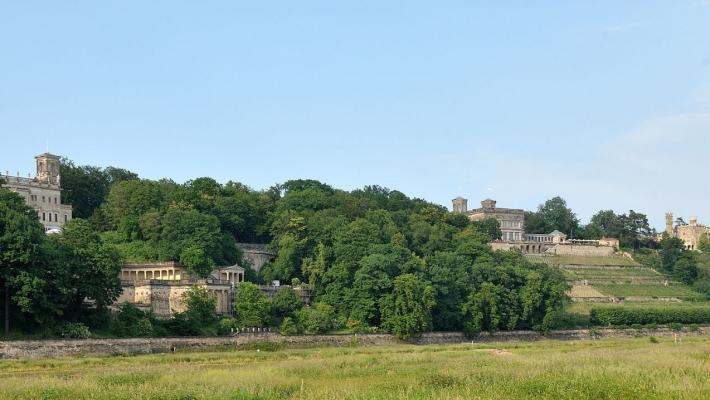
604 369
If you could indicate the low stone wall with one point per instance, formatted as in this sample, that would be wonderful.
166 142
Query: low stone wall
24 349
581 250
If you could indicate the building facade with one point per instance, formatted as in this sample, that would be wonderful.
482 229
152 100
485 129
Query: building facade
43 192
159 287
511 220
689 233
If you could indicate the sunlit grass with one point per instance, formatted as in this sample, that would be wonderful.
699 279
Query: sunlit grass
603 369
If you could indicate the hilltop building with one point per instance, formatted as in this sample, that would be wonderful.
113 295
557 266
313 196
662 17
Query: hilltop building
512 226
43 192
511 220
689 233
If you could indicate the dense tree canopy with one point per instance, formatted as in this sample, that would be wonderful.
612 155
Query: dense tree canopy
553 214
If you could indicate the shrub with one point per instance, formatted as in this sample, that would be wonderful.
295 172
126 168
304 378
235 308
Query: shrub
226 326
288 327
318 319
649 315
74 330
653 339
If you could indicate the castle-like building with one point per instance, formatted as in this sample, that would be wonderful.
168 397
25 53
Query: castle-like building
512 226
689 233
43 192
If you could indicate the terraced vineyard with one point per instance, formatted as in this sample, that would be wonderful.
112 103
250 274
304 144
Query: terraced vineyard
675 290
619 277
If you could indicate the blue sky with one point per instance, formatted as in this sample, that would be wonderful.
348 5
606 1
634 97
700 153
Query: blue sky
605 103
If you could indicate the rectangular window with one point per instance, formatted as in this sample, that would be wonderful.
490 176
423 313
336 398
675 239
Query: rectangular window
56 218
44 217
55 200
65 218
42 199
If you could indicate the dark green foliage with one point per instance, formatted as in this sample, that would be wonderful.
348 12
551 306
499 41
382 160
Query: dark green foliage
285 304
132 322
73 330
86 187
553 214
490 227
288 327
617 316
251 306
407 311
200 306
320 318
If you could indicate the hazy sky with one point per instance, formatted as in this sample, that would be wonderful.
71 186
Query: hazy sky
606 103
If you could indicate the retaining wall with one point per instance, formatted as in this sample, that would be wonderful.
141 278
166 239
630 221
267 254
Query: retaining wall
23 349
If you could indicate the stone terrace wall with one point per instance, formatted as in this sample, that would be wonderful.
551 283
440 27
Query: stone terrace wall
102 347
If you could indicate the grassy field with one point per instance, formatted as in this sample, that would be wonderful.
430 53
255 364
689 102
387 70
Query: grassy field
605 369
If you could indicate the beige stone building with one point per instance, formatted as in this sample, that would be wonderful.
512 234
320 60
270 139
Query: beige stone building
511 220
159 287
690 233
512 226
43 192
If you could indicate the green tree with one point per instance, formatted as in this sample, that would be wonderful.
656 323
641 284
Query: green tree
200 306
671 249
320 318
685 269
704 243
196 261
553 214
251 306
285 304
73 267
490 227
407 311
21 236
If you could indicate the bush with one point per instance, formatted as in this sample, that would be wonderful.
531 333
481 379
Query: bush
226 326
649 315
74 330
288 327
132 322
318 319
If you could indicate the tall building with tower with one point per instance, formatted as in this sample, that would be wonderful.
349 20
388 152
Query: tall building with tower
511 220
43 192
689 233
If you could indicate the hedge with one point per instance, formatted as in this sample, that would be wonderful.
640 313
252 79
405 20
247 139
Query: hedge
649 315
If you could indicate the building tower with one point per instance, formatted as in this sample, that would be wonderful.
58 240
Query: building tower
460 204
488 204
48 169
669 224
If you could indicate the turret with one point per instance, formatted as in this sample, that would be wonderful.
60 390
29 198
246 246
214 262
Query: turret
460 204
669 224
48 169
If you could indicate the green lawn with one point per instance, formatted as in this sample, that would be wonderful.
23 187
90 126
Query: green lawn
605 369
